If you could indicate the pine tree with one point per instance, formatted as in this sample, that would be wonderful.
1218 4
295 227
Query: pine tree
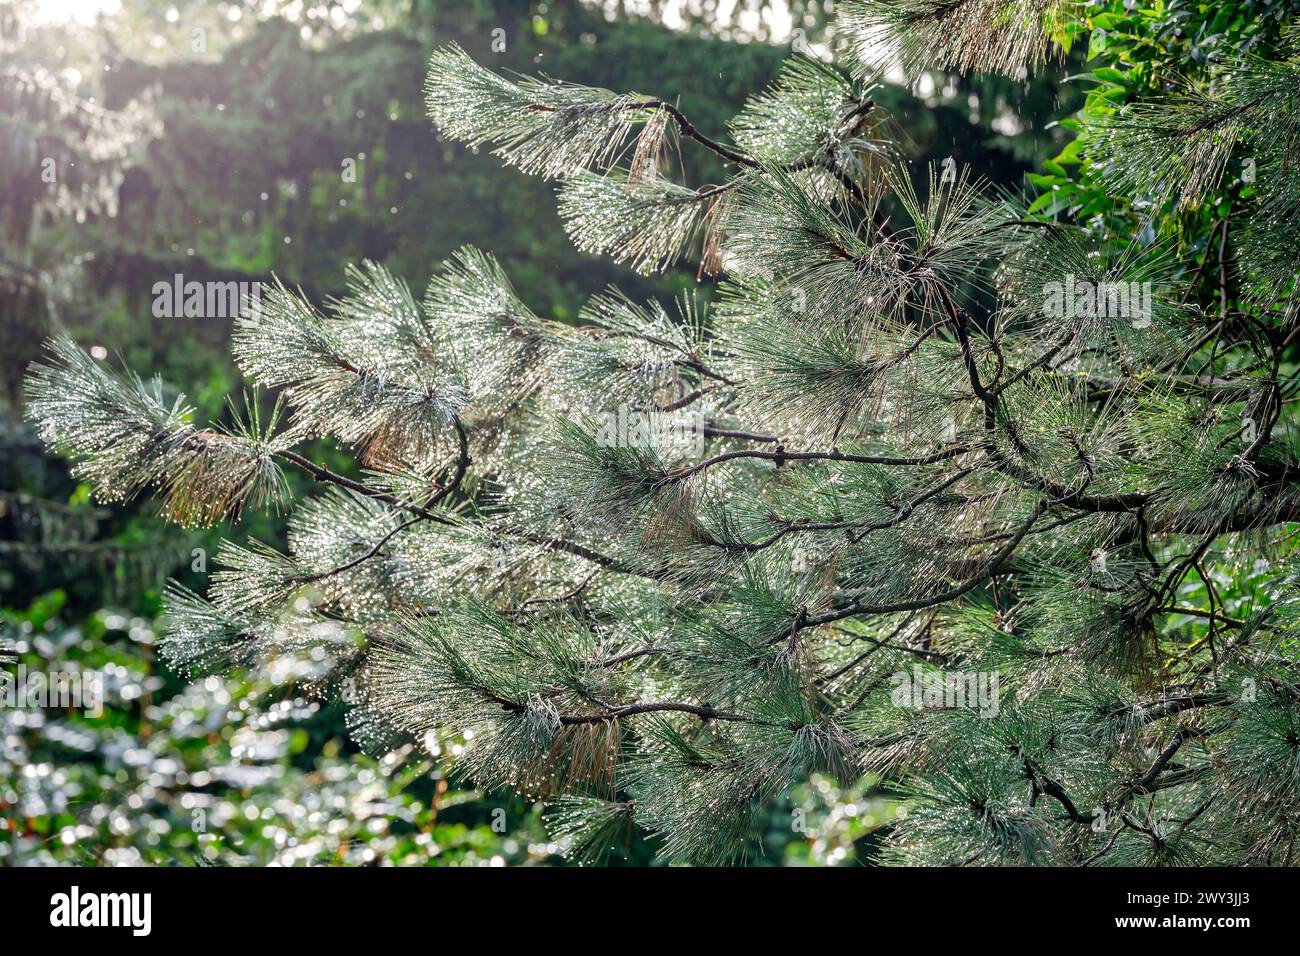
994 506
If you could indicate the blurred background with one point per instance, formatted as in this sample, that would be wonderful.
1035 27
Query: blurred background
233 141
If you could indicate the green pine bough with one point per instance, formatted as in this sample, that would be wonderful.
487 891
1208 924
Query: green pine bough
996 509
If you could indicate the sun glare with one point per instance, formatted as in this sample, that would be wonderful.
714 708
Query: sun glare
78 11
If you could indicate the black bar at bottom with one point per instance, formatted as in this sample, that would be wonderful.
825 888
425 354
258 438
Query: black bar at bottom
256 907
